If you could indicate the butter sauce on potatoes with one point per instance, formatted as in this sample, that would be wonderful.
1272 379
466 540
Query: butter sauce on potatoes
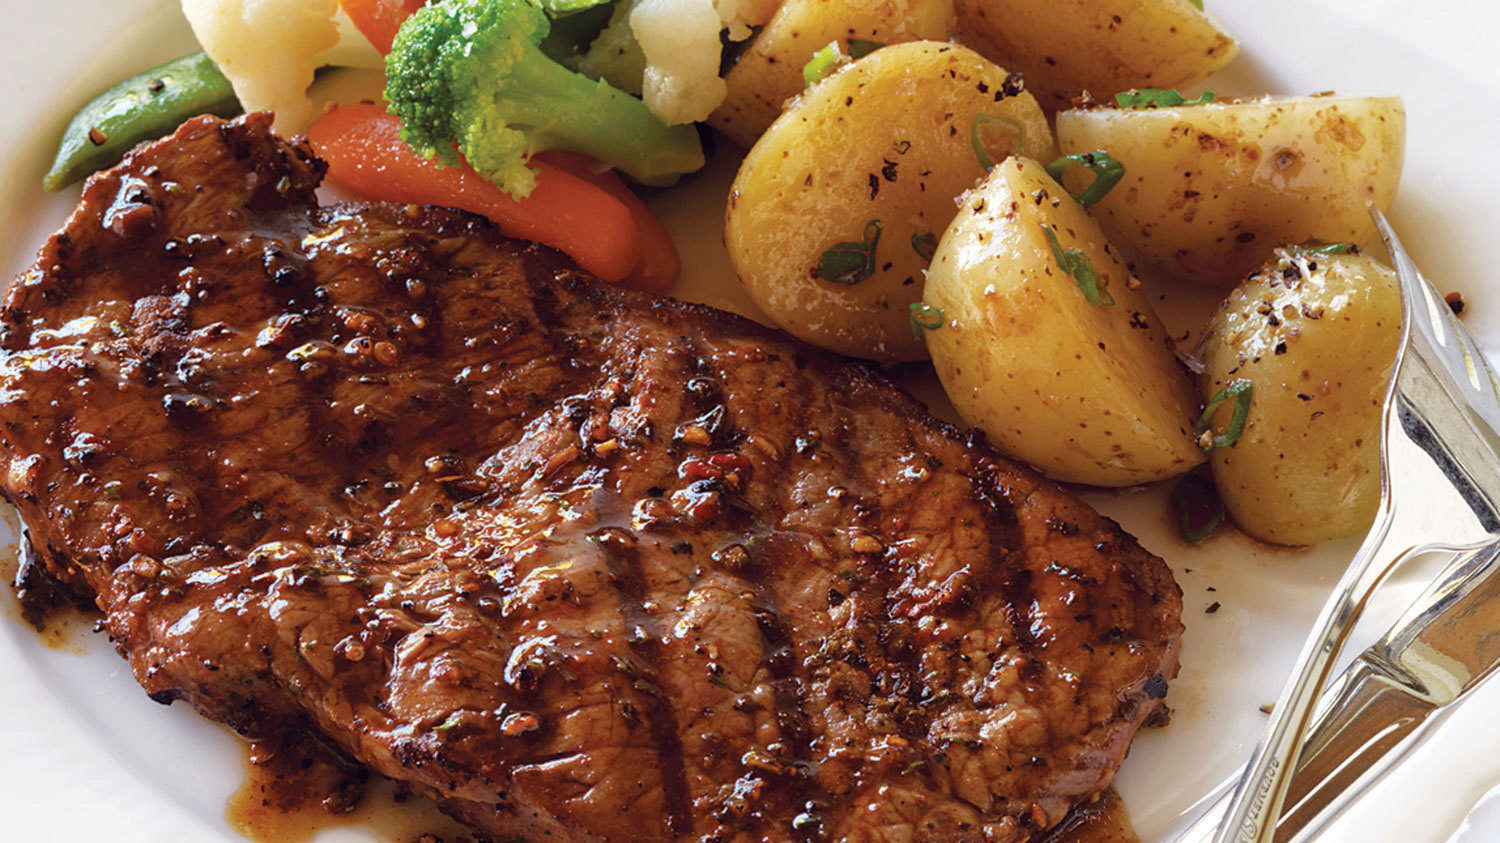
1086 392
885 140
1210 191
1315 335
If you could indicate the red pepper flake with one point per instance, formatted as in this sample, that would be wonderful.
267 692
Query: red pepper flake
730 462
696 469
707 507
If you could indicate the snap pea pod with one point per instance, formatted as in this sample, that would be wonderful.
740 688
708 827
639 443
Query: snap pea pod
141 108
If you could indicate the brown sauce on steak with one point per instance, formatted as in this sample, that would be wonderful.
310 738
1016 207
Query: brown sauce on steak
1104 821
61 619
295 788
567 559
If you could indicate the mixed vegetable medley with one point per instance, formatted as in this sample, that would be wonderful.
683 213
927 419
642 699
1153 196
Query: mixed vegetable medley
981 183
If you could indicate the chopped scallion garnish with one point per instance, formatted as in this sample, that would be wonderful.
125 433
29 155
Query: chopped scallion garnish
1199 509
1078 265
823 63
1159 98
925 245
1107 173
1197 4
1319 248
924 317
1241 391
976 137
852 261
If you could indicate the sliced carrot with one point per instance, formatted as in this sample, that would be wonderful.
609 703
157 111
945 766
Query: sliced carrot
379 19
366 155
660 264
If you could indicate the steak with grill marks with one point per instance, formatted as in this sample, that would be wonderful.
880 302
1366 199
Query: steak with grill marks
567 558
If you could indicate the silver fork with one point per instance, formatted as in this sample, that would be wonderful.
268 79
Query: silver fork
1389 699
1440 490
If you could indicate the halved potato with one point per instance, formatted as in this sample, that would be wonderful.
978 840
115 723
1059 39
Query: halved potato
1066 47
1210 191
874 155
769 72
1085 390
1315 336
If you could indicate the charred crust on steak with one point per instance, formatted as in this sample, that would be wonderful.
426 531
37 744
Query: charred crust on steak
559 555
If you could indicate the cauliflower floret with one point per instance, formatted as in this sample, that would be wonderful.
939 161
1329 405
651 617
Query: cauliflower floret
268 49
669 51
680 39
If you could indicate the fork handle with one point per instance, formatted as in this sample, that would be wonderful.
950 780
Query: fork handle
1258 799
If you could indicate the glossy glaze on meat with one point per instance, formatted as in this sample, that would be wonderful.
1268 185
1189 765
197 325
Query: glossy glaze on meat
574 561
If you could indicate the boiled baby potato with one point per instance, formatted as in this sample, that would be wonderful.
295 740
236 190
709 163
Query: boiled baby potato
1065 368
836 210
1210 191
1066 47
769 71
1314 335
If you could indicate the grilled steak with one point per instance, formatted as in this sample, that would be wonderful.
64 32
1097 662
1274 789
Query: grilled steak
569 559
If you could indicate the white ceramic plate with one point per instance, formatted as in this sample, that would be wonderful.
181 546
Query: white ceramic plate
84 755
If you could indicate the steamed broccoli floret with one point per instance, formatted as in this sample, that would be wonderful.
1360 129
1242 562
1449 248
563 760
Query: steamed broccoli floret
472 72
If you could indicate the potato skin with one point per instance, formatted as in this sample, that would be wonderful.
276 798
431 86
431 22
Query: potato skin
1086 393
886 138
1307 468
1211 191
769 71
1066 47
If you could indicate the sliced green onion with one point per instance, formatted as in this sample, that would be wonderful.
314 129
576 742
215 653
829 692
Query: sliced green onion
852 261
1197 4
1078 265
1107 173
823 63
1241 391
1159 98
1314 247
925 245
924 317
858 49
1199 509
976 137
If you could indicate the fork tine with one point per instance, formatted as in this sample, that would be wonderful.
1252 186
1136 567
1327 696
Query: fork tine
1418 295
1464 365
